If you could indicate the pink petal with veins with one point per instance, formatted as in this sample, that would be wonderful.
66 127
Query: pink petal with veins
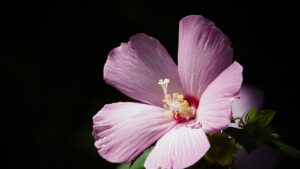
214 112
124 130
179 148
203 53
135 67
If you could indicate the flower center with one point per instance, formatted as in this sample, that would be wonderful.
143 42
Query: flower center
176 106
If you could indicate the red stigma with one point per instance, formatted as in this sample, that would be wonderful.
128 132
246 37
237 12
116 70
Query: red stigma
192 101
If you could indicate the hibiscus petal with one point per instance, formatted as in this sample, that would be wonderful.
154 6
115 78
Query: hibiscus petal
179 148
203 53
214 111
135 68
249 97
123 130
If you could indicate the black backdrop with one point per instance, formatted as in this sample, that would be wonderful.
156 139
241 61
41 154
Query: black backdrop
53 53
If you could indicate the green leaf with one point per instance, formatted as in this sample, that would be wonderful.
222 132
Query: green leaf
123 166
286 149
259 118
250 118
139 162
256 124
258 133
275 136
264 117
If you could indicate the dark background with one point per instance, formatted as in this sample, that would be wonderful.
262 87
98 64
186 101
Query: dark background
53 53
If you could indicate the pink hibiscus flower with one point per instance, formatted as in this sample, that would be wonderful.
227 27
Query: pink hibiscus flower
196 98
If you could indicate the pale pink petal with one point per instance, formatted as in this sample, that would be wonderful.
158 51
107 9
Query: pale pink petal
123 130
135 68
214 111
249 97
179 148
203 53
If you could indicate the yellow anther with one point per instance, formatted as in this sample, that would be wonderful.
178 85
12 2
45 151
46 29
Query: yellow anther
175 104
168 114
